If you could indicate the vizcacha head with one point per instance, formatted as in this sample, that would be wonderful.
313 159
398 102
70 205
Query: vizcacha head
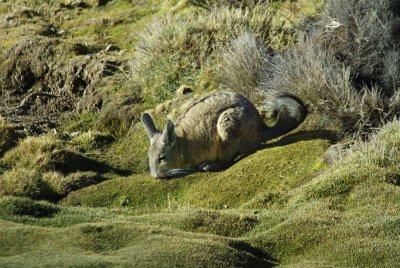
162 159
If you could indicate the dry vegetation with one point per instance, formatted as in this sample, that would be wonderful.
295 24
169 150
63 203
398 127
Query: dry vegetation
74 185
347 67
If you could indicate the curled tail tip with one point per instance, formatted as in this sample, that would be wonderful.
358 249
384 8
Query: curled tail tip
295 106
289 111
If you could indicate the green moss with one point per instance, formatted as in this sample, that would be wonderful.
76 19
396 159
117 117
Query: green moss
259 174
140 192
254 175
220 223
118 244
130 152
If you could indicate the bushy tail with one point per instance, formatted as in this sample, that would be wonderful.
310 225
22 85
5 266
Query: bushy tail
289 112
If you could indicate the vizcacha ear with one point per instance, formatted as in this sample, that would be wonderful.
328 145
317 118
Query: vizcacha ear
168 135
149 125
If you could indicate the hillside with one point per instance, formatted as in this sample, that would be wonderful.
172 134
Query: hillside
75 189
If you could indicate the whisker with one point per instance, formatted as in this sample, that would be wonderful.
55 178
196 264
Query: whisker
179 172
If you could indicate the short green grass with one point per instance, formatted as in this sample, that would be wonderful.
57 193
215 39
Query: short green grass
102 245
255 176
346 215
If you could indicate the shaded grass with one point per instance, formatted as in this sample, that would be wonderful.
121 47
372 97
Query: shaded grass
8 137
130 152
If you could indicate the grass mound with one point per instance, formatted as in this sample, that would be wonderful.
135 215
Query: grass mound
42 168
354 203
22 206
22 182
256 175
224 224
33 152
106 244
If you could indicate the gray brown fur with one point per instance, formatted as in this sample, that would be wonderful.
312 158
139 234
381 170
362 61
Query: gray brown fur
214 130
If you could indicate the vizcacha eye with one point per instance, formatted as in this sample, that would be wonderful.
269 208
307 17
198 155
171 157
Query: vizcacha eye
161 158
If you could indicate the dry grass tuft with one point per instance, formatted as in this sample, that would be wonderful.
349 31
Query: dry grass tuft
187 48
242 66
347 69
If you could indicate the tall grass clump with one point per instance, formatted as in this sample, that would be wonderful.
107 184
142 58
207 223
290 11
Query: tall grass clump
50 186
242 66
21 182
33 153
40 167
347 69
187 48
383 150
327 85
